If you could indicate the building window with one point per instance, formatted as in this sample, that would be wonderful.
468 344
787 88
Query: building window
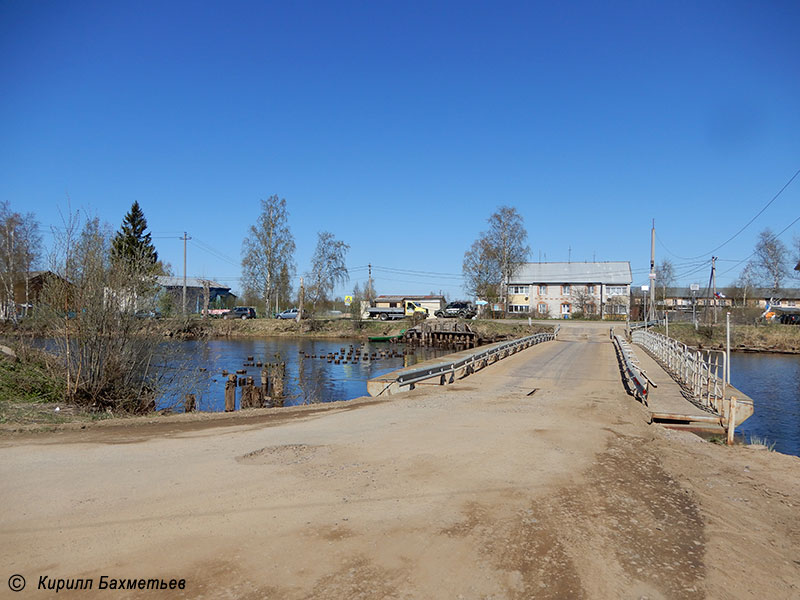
591 309
565 290
542 290
518 308
791 303
566 307
615 290
518 289
542 308
590 289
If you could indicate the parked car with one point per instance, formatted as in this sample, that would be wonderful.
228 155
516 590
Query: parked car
289 313
463 310
241 312
147 314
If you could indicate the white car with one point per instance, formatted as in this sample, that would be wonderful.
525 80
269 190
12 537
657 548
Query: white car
289 313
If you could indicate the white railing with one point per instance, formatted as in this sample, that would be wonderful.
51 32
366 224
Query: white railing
702 372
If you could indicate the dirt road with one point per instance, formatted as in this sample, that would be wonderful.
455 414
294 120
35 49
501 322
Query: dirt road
482 489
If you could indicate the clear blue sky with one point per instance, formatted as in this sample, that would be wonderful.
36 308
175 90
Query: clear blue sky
401 126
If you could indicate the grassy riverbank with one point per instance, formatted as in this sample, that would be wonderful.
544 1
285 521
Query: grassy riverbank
746 338
329 328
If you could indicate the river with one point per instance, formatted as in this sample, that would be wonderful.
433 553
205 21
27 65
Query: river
321 381
773 382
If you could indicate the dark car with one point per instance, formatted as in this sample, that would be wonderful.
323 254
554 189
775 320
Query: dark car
241 312
463 310
289 313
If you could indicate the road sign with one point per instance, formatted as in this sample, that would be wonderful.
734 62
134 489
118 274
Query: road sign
645 288
348 300
694 287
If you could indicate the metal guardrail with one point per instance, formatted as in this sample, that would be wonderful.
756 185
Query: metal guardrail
644 324
478 359
638 380
703 372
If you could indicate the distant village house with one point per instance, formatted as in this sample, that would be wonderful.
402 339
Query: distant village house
560 290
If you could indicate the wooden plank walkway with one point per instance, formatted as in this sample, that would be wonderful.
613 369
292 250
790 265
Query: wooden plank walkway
668 397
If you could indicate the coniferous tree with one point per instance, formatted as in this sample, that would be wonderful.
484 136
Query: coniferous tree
132 244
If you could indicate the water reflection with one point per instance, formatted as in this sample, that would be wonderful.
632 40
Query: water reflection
773 382
310 378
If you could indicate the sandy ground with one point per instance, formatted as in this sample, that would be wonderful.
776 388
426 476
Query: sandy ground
480 489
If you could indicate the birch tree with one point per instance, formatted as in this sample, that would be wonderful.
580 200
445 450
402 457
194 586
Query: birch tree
769 261
20 249
481 271
665 277
268 251
503 248
328 267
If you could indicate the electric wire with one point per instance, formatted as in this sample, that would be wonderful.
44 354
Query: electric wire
746 225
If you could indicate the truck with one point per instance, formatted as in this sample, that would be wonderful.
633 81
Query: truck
408 309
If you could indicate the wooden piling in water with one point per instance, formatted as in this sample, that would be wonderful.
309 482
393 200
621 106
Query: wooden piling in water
277 373
230 394
248 395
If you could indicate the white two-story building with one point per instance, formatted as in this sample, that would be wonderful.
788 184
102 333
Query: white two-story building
559 290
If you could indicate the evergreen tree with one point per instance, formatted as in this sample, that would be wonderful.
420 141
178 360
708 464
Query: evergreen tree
132 244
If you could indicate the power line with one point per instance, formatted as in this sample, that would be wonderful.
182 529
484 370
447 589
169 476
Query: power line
776 236
746 225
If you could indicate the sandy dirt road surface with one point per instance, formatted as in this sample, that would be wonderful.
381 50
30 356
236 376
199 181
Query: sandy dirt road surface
480 489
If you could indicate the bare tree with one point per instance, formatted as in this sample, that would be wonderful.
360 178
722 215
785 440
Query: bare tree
769 261
20 249
110 358
746 282
665 277
481 271
502 247
268 251
582 299
328 267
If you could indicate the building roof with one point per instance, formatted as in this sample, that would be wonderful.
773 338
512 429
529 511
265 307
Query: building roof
401 298
191 282
618 272
685 292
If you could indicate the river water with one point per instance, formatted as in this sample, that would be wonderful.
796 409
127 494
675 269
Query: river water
773 382
308 379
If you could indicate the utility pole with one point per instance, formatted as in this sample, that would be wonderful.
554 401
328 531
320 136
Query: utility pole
370 289
714 283
652 272
710 294
184 238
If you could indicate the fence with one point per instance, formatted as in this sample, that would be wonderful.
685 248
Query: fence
702 372
476 360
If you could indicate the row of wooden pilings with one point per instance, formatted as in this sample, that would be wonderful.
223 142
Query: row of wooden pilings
442 339
267 395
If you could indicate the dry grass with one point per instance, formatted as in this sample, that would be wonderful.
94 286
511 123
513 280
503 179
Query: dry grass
334 328
759 338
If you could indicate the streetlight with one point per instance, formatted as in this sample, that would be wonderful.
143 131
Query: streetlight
694 287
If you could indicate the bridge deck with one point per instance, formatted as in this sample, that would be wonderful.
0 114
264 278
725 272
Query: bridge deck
668 397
